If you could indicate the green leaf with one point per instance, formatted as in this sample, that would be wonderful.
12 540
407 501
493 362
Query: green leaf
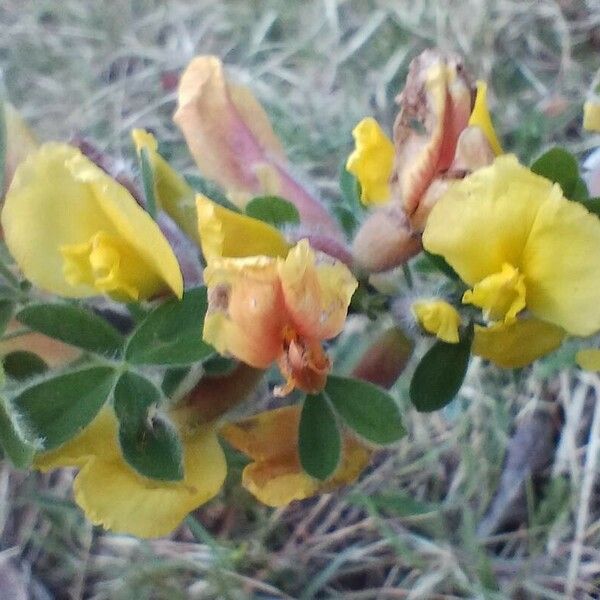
345 218
273 210
21 365
366 408
219 365
319 441
559 166
440 373
15 447
580 191
149 443
148 182
592 204
73 325
439 262
210 190
397 504
57 409
172 380
172 333
7 309
350 190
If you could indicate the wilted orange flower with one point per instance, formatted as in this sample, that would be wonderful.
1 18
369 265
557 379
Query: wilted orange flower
275 476
233 143
264 309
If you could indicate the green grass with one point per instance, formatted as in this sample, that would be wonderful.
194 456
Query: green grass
410 527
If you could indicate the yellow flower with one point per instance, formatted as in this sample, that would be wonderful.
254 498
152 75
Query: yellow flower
372 161
505 218
480 117
275 476
224 233
76 232
173 194
591 115
439 318
115 496
264 309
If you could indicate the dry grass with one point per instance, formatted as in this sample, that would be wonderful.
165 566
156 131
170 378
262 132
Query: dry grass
438 516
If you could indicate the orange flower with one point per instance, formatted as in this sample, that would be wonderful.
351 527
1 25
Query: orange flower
275 476
264 309
233 143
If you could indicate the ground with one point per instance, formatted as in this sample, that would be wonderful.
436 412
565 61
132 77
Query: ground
497 496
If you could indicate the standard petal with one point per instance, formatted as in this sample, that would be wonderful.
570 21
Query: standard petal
113 495
246 313
226 234
485 220
372 161
275 477
97 439
227 131
517 344
560 265
59 200
434 108
480 117
317 291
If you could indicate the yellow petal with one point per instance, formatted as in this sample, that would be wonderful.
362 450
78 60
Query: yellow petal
60 200
317 291
561 268
246 313
500 295
173 194
480 117
20 142
439 318
588 359
113 495
485 220
517 344
372 161
276 477
591 115
224 233
97 439
226 129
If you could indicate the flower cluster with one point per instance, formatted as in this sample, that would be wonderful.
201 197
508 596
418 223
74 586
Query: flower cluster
145 317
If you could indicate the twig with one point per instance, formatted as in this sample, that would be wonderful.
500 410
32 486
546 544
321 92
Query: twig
589 477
